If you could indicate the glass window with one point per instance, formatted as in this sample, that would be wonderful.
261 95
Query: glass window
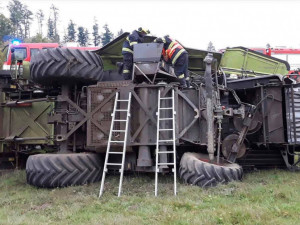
33 51
260 51
20 53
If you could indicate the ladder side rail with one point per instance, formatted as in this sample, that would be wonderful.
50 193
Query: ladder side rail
108 145
157 143
174 141
124 144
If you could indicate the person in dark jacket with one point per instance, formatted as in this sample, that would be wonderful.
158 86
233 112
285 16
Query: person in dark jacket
173 53
137 36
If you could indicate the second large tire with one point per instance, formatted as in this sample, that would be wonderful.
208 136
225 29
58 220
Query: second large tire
57 66
61 170
196 169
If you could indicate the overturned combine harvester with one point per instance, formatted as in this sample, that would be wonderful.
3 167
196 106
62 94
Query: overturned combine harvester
240 111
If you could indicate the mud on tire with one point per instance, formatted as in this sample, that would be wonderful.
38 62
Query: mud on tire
65 66
196 169
61 170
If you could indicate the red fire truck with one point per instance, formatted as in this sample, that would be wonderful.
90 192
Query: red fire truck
25 51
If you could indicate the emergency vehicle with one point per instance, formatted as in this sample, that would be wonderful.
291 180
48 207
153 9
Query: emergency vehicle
24 51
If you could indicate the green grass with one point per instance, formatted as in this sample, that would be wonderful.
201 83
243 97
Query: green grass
265 197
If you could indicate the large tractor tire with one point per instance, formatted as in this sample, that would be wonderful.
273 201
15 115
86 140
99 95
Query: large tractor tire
62 170
196 169
58 66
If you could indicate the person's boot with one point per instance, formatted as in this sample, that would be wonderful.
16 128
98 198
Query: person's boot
188 84
182 83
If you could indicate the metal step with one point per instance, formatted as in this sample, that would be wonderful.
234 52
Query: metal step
171 140
165 164
114 164
165 152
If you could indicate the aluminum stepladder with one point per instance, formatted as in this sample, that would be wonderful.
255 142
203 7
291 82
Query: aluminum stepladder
172 140
110 141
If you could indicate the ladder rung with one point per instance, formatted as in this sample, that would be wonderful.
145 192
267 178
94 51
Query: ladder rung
166 108
120 120
121 110
117 141
166 118
165 164
166 140
166 98
115 153
118 130
114 164
165 129
166 152
123 100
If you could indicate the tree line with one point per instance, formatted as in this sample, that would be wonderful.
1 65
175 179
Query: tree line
18 25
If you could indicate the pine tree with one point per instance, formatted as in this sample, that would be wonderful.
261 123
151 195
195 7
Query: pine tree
81 37
211 47
71 36
55 20
15 8
87 38
120 32
27 19
6 28
40 19
96 36
50 33
107 36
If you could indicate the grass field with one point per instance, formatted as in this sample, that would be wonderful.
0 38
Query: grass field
265 197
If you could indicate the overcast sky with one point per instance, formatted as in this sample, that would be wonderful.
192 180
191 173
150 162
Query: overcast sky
193 23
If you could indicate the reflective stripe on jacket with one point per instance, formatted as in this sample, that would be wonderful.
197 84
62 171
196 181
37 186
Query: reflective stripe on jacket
132 39
173 50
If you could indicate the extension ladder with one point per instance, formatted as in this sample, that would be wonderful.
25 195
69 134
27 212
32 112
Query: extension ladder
167 141
123 142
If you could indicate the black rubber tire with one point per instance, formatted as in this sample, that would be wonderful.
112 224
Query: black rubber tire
56 66
196 169
62 170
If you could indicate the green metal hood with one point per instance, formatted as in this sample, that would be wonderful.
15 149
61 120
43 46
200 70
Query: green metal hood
112 53
243 61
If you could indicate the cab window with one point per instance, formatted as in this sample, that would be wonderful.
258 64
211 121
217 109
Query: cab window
20 53
33 51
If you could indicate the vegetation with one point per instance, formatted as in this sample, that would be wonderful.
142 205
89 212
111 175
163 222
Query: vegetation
83 36
96 36
264 197
71 36
107 36
21 17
